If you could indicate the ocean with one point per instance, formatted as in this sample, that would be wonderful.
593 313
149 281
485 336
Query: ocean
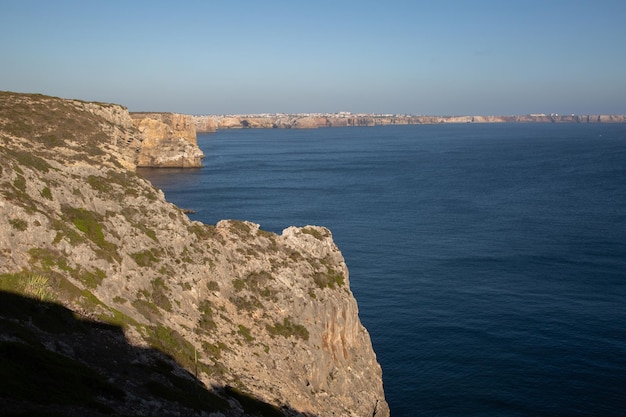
488 261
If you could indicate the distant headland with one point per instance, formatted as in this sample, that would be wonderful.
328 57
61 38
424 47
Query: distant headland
211 123
169 139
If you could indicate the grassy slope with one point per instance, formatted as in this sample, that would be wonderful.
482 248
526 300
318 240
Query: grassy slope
53 361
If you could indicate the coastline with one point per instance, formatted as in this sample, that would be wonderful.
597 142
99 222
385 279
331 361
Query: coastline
212 123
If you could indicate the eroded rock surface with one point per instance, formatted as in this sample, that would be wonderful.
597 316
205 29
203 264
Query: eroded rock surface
208 123
169 140
240 309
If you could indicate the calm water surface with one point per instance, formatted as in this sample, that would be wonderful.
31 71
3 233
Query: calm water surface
489 261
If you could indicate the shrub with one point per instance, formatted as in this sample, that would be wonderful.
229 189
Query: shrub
202 231
18 224
87 222
27 159
144 257
99 184
287 328
51 140
20 183
313 232
245 332
47 258
294 255
171 342
93 279
248 304
159 295
45 193
239 284
330 278
149 232
146 309
206 322
254 282
214 350
37 287
240 228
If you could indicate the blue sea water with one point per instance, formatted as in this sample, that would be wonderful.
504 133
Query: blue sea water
488 261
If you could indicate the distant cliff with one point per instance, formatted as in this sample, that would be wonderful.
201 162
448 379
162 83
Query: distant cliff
113 302
169 140
213 123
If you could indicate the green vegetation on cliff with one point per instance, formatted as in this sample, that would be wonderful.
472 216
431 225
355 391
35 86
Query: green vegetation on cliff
115 302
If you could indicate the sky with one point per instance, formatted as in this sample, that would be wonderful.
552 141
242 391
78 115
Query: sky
441 57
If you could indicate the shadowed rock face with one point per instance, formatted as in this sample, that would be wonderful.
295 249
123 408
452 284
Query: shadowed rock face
270 316
169 141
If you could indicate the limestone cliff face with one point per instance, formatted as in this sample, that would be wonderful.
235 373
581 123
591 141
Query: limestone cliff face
306 123
213 123
120 127
208 124
169 140
205 124
267 323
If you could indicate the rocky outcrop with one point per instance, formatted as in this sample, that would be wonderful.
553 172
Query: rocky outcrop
231 319
120 128
305 123
169 140
205 124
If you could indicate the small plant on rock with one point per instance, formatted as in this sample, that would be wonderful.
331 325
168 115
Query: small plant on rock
37 287
287 329
18 224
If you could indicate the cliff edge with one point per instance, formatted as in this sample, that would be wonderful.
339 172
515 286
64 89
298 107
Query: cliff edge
169 140
208 123
114 302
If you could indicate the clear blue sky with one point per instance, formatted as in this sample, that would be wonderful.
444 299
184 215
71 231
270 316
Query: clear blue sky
418 57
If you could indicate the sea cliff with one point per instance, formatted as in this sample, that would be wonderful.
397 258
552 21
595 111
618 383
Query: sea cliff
208 123
114 302
169 140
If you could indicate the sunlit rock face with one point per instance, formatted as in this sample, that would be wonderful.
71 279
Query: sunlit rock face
169 141
266 323
303 121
